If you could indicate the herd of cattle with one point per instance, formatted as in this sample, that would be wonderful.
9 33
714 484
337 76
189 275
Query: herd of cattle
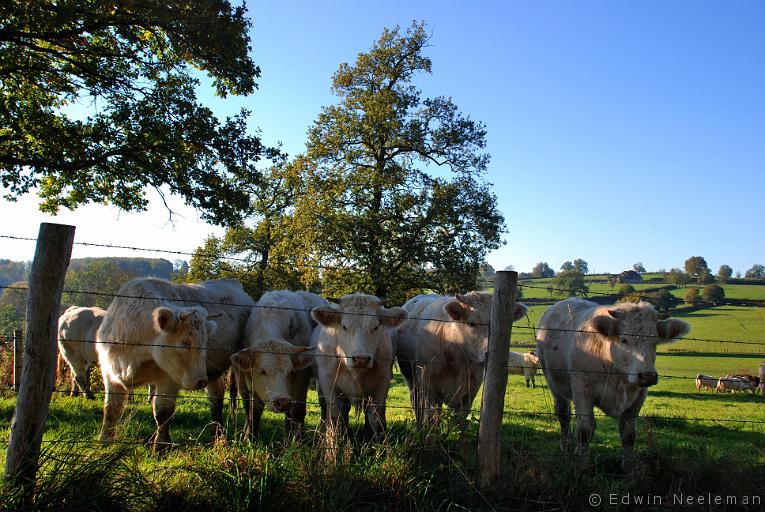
733 383
185 336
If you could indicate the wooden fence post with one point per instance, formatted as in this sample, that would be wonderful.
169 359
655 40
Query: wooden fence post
18 358
495 383
46 281
762 378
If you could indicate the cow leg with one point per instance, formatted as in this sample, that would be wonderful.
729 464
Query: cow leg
585 424
216 391
374 417
253 411
164 409
563 413
295 417
151 393
628 431
114 404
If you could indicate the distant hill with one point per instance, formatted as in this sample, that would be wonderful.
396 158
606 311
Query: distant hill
15 271
139 267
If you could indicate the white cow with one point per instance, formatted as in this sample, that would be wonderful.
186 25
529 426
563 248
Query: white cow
273 370
77 329
442 351
523 364
354 360
705 382
734 383
602 356
158 332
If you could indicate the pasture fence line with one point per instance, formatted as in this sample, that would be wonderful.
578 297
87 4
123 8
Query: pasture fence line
417 362
413 318
292 266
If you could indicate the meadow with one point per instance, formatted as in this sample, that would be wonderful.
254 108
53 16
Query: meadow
689 442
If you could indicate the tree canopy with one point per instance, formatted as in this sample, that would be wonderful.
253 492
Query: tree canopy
98 103
696 266
542 269
369 208
756 272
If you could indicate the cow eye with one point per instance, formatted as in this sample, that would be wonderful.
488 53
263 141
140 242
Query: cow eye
187 343
345 328
262 372
375 327
471 323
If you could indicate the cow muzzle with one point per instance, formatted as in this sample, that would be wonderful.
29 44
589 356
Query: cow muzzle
202 383
281 404
360 361
647 379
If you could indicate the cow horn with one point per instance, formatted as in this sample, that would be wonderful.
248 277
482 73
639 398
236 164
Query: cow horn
461 298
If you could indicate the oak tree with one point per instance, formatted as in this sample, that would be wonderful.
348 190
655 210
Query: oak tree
98 102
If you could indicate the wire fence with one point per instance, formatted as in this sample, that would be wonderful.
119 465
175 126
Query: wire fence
548 414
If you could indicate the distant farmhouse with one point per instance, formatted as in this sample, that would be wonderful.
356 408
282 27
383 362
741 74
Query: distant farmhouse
629 277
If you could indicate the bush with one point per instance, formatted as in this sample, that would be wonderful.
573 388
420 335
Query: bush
692 296
713 293
626 289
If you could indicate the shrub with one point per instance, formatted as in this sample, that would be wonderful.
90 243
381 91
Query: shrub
626 289
713 293
692 296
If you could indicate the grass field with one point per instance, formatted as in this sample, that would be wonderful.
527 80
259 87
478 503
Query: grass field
690 442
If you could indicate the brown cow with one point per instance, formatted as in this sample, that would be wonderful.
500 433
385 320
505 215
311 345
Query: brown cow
158 332
602 356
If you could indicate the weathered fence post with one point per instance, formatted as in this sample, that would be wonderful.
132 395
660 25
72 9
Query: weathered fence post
762 378
18 358
495 383
46 281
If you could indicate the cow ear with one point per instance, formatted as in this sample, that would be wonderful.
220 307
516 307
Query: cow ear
392 317
212 327
244 359
519 311
605 325
461 298
457 311
165 319
326 315
300 359
672 329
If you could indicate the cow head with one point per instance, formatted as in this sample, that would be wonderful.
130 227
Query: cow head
471 313
361 326
181 347
632 332
268 367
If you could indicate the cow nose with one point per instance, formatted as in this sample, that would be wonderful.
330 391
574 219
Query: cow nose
360 361
281 404
646 379
201 383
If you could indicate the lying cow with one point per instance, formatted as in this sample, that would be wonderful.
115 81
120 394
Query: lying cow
602 356
734 383
354 360
442 350
705 382
158 332
77 329
273 370
523 364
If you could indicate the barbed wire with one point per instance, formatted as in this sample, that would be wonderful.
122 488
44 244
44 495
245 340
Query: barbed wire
349 313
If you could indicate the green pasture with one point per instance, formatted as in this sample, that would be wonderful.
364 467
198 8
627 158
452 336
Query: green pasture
688 440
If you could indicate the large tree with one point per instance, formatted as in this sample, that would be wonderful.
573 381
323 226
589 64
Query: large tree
756 272
542 269
370 208
696 266
97 103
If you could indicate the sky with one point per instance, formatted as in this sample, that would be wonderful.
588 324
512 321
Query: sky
619 132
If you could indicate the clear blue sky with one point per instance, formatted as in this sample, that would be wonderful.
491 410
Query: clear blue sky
619 131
